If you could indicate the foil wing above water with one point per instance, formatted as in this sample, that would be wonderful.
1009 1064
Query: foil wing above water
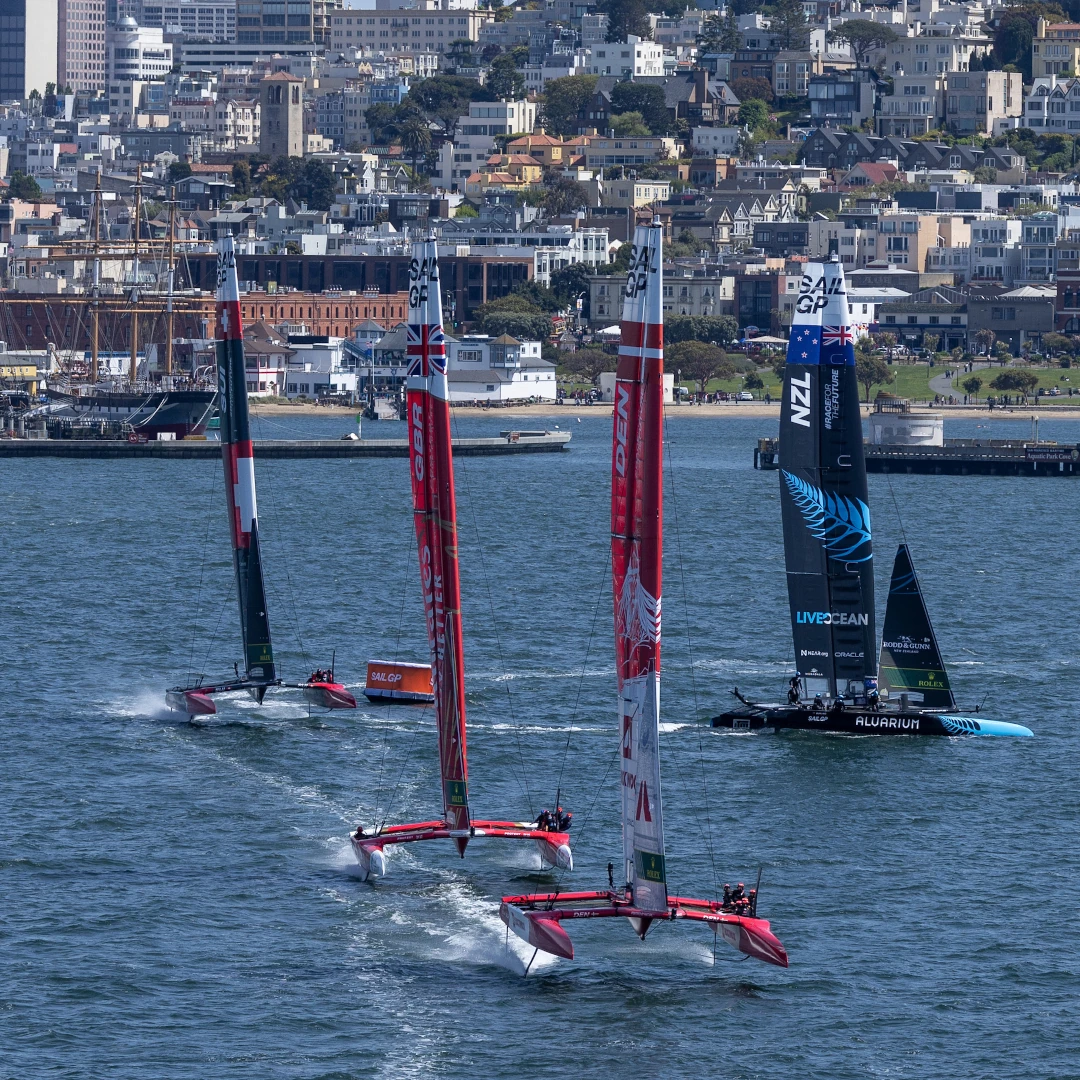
435 517
636 553
236 452
910 661
828 546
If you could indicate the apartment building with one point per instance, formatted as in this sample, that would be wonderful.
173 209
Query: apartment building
995 250
210 20
1038 247
284 22
136 53
80 46
1053 104
474 141
916 106
851 241
1055 49
906 239
633 59
974 100
404 31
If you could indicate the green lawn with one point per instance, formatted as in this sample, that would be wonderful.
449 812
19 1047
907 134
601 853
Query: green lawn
1062 378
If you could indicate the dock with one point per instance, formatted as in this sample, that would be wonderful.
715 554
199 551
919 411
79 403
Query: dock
509 442
957 457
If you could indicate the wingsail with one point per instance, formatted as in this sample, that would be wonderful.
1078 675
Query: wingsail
636 532
910 661
435 517
236 453
828 545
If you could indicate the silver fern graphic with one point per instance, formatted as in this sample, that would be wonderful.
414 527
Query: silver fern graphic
843 524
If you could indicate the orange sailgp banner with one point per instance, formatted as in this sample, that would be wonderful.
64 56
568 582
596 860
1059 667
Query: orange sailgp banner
435 516
636 554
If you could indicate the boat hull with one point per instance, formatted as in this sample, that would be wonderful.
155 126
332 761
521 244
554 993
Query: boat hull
854 721
192 702
329 696
177 412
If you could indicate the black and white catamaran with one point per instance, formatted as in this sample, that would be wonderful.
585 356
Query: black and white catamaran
828 550
260 671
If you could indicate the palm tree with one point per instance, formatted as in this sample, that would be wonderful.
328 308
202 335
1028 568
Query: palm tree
416 139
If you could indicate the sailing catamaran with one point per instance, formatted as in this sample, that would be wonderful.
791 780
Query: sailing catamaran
828 545
260 671
435 518
636 558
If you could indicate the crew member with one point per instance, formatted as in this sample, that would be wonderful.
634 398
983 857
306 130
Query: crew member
819 705
793 690
727 896
543 820
752 895
738 894
563 820
838 704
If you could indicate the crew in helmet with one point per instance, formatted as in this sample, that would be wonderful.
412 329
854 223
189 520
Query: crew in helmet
793 689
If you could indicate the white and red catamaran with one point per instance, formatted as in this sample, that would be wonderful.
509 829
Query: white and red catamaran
636 558
260 672
435 517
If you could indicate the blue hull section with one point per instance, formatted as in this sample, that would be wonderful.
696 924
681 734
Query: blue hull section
971 725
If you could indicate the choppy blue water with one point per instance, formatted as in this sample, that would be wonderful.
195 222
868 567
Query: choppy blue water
180 901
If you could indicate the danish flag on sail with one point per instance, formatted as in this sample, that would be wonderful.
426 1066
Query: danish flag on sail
435 516
636 532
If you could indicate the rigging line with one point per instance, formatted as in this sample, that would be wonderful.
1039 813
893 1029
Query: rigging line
213 636
202 570
690 650
896 507
494 622
397 654
604 579
401 772
289 599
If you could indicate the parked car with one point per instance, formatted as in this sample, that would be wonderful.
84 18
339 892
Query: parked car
744 395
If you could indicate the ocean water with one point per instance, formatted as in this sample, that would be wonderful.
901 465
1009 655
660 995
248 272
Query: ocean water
180 900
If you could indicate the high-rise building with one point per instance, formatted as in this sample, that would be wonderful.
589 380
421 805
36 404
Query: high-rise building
80 61
207 20
136 53
280 22
282 115
29 30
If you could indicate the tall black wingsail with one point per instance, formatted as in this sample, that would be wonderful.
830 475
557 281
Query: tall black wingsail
236 452
910 661
827 541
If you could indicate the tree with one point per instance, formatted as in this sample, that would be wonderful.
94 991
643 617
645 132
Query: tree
628 124
241 177
871 370
23 187
788 23
753 381
752 88
627 17
587 364
754 115
863 37
561 195
311 182
646 99
699 361
179 170
466 210
984 339
719 33
514 315
1023 382
505 79
1055 343
564 99
48 104
1014 32
722 329
972 386
416 139
570 282
442 97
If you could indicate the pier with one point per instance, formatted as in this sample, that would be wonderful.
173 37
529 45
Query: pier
508 442
957 457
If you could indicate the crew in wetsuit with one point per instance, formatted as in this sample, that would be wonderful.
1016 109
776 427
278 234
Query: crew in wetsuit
727 896
543 820
838 705
563 820
793 690
819 705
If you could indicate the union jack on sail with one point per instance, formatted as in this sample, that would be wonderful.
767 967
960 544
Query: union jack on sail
836 335
425 341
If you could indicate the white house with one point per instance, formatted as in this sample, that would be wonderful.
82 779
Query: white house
481 368
718 141
634 58
316 369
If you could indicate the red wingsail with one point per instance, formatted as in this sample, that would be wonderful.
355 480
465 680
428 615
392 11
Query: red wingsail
435 514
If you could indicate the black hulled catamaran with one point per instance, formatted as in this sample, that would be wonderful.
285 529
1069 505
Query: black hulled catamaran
260 671
828 551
